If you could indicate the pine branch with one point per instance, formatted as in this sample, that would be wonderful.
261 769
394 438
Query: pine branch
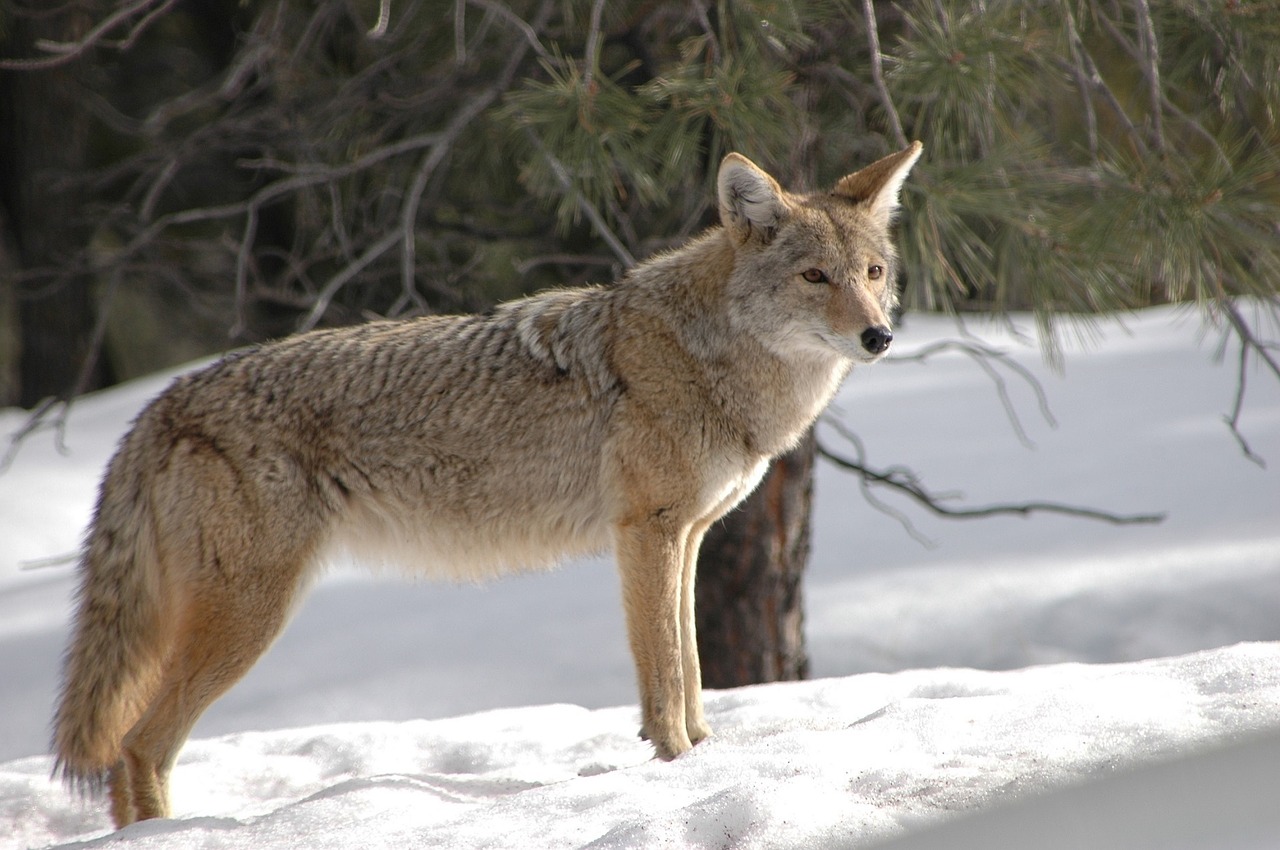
1151 69
1147 58
1096 81
1081 74
584 204
595 38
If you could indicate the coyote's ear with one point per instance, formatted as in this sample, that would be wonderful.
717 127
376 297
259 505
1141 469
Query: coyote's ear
878 184
751 202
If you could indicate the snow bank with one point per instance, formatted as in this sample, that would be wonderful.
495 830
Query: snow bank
823 764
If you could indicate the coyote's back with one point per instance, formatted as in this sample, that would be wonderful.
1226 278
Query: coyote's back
630 416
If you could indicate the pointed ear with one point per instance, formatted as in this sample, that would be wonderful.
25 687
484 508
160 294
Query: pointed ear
750 200
879 183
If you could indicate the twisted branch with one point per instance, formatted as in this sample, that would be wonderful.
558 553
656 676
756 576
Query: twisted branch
905 481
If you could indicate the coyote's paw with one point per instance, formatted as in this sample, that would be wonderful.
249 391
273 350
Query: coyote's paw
699 731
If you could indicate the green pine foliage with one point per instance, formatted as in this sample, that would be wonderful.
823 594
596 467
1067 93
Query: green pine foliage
1066 173
632 133
1080 155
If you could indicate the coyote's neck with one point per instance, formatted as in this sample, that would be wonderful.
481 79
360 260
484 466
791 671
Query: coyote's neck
770 397
699 268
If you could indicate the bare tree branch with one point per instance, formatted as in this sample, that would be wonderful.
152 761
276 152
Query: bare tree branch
713 40
38 420
983 355
1249 342
436 153
896 479
384 19
866 478
303 177
1147 57
67 51
432 159
460 32
907 482
335 283
530 32
44 415
529 263
877 73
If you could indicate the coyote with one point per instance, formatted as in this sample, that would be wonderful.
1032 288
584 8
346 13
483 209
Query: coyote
632 415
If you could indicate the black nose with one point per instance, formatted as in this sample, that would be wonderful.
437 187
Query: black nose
876 339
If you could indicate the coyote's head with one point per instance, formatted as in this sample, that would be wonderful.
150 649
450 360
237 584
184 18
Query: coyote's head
814 273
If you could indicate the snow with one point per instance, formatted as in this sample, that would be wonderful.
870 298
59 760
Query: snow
1129 694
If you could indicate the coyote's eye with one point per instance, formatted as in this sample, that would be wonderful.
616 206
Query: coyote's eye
814 275
875 272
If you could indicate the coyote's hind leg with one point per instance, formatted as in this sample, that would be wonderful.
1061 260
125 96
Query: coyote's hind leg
226 626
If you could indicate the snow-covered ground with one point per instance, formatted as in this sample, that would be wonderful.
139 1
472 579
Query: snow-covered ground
897 739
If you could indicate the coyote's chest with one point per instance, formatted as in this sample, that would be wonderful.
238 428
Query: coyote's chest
727 478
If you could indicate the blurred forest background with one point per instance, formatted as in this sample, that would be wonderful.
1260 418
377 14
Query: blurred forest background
178 177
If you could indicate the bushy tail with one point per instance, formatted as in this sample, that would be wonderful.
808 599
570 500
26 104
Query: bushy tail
110 665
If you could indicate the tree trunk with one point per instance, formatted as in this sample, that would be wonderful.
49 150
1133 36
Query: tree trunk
43 139
750 618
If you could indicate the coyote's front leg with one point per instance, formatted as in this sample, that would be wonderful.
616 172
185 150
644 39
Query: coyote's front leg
694 721
651 559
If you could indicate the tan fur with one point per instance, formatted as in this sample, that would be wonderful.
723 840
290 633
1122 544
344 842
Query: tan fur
630 416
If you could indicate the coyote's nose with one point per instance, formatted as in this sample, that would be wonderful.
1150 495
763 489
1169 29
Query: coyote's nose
876 339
